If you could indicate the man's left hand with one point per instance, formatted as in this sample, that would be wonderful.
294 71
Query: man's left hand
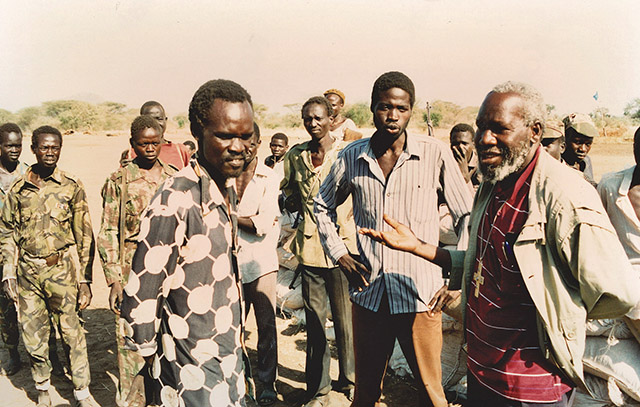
84 295
441 299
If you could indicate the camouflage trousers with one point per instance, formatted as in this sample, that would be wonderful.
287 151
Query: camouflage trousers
9 327
8 320
51 290
129 364
129 360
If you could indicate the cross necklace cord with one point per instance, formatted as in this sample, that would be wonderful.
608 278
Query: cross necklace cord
478 278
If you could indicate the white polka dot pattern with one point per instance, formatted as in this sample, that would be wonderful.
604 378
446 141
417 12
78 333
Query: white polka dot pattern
183 295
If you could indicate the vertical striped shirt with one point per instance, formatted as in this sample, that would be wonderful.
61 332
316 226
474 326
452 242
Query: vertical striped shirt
409 194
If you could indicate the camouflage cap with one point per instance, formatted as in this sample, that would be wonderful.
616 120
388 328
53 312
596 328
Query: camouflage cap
581 123
552 130
335 92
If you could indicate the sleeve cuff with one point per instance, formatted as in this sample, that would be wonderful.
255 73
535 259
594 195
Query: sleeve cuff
9 272
457 266
261 227
337 252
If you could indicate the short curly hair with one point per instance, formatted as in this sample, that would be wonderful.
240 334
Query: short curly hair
7 129
462 128
318 100
144 122
203 100
389 80
148 105
44 130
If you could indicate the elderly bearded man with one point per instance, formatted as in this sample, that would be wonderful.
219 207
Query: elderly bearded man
542 257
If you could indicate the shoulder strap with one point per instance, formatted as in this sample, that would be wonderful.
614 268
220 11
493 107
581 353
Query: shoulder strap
121 220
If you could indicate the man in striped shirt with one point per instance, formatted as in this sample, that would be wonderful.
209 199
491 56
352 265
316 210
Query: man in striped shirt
391 291
542 257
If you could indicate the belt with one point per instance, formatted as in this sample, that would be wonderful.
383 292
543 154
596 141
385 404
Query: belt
48 261
53 259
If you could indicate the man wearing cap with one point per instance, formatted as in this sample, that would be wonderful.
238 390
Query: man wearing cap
553 139
342 128
579 132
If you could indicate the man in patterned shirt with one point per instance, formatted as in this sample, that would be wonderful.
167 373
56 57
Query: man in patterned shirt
183 303
125 194
48 213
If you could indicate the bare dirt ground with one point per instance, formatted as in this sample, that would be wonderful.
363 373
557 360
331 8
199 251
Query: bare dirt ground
92 158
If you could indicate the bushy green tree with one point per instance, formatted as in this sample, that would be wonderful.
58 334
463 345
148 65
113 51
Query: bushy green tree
27 118
359 113
73 114
435 117
632 109
181 120
6 116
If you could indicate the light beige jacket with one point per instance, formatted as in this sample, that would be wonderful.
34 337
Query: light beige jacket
570 258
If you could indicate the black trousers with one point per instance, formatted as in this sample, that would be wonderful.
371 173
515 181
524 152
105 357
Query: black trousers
317 285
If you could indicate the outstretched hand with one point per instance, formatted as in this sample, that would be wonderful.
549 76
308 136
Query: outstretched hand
400 238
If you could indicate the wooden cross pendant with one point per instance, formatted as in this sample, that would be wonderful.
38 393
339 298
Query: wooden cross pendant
478 278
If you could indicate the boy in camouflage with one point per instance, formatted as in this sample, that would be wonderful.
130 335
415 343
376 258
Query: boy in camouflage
46 209
125 194
10 169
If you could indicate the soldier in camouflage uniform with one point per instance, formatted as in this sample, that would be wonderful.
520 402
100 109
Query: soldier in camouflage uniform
131 188
10 169
48 213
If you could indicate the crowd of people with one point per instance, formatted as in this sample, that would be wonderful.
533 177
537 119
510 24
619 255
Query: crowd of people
504 227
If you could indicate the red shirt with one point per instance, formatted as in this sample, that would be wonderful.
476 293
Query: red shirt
171 153
502 336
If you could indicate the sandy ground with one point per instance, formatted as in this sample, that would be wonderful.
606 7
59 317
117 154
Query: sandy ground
92 158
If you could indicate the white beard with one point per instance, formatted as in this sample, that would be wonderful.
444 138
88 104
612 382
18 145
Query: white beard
512 161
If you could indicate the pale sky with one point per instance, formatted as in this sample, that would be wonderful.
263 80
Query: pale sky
286 51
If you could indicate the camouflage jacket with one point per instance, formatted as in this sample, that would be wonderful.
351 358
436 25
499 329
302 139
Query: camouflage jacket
46 220
139 191
20 170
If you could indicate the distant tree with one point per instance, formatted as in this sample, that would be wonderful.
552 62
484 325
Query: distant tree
260 111
359 113
434 117
181 120
632 109
26 118
114 107
550 108
6 116
73 114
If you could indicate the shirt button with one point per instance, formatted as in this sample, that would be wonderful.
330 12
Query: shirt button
388 194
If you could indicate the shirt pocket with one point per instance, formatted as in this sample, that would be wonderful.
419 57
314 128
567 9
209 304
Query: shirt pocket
420 203
132 210
59 217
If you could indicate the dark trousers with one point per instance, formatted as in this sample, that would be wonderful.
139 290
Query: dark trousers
481 396
419 336
261 293
318 284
